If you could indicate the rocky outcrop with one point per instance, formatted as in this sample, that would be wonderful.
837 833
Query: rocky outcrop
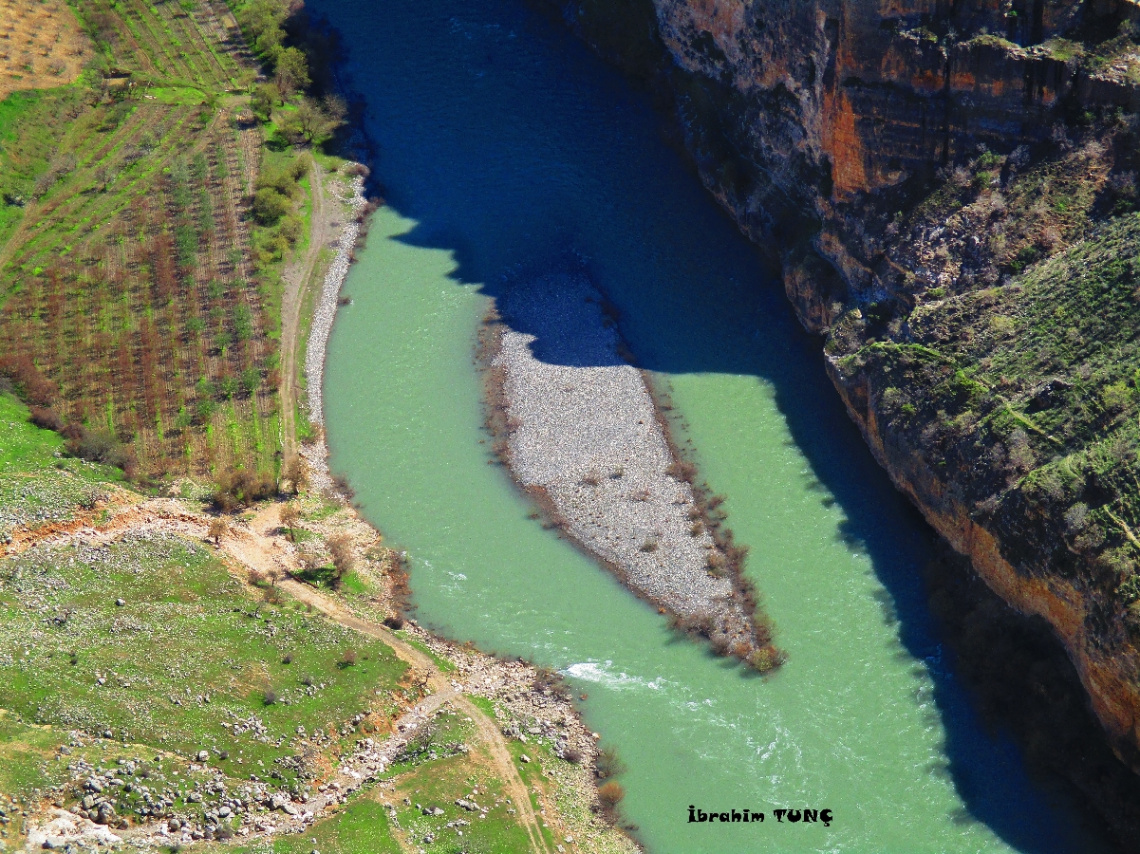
824 124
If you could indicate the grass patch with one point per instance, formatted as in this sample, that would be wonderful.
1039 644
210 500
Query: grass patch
37 485
187 651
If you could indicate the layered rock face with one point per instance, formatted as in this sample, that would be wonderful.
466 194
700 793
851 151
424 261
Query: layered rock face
806 110
835 131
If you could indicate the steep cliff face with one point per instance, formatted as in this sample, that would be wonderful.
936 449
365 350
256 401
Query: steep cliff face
846 109
930 173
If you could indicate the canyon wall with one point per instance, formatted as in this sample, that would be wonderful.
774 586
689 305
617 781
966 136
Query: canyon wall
902 159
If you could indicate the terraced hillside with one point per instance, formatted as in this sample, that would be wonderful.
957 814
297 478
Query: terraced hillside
126 274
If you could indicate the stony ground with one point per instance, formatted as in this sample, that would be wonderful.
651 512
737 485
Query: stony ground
104 792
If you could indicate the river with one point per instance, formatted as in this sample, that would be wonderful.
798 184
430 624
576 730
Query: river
506 149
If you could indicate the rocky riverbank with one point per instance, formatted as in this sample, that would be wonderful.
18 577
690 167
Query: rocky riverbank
584 438
324 311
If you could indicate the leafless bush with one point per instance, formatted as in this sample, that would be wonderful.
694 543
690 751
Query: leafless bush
46 417
681 470
239 487
218 529
294 472
290 519
341 484
608 764
610 794
340 547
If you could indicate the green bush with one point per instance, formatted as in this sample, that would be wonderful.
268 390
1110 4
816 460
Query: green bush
269 205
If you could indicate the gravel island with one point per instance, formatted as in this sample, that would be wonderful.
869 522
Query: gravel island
583 437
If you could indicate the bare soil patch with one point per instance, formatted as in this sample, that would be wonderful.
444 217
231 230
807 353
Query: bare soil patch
41 45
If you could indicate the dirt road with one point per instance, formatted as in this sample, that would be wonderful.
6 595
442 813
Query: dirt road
255 546
301 275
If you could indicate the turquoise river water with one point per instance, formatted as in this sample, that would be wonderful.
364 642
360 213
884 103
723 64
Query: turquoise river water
506 148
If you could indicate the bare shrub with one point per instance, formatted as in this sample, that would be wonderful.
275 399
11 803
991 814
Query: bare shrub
340 547
32 386
681 470
608 764
218 529
290 519
99 446
341 484
46 417
294 472
239 487
717 563
610 794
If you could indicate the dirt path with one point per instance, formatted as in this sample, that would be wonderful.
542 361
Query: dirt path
513 784
300 276
255 547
